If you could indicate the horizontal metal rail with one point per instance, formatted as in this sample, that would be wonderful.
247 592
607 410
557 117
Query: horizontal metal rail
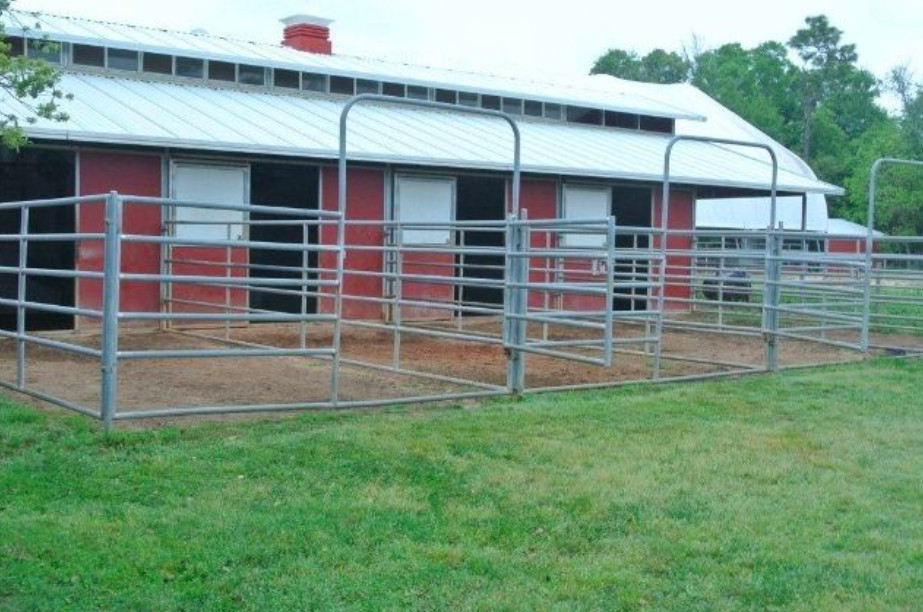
172 412
50 343
282 211
566 297
221 353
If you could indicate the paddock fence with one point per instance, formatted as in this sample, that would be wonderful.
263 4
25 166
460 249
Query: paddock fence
212 312
557 305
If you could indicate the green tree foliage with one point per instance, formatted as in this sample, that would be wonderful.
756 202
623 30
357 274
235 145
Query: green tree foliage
826 67
900 190
33 83
838 102
911 97
754 83
810 94
658 66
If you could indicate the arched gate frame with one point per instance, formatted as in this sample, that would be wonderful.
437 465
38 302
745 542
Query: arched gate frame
773 248
870 239
515 293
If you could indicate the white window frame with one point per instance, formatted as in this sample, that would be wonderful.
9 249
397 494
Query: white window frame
572 240
238 218
424 237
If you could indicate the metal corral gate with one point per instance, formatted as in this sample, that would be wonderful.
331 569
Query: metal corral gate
780 284
519 281
112 318
559 281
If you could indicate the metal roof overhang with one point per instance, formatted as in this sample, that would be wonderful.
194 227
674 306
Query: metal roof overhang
108 110
571 91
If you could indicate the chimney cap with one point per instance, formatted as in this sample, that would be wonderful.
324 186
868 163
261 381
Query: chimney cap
303 19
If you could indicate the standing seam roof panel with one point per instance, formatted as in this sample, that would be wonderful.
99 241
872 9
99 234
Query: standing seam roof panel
582 92
120 110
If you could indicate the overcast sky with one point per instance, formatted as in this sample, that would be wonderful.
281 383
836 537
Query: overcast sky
503 36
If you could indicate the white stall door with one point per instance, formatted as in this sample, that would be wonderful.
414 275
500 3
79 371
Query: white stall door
425 200
212 184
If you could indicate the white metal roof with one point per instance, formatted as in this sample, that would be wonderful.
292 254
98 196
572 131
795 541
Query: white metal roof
725 122
749 213
842 227
582 91
753 214
109 109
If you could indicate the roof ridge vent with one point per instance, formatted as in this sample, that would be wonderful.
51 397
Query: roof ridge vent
308 33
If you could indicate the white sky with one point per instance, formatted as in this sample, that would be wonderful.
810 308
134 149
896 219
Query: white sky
531 37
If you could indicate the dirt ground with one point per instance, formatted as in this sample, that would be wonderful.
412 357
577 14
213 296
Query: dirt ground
159 383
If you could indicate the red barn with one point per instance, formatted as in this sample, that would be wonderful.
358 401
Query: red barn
199 117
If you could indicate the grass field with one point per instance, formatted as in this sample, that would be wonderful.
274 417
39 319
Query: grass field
802 491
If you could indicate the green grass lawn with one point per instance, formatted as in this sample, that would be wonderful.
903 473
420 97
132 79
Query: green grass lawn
895 310
802 491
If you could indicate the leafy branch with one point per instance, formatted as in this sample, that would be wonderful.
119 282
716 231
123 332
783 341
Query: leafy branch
30 84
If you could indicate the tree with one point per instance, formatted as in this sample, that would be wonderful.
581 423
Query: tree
658 66
901 82
619 63
754 83
900 189
29 83
810 95
665 67
825 64
912 125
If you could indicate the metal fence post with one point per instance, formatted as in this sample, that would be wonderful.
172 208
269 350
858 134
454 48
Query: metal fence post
461 275
397 312
516 303
166 268
228 273
547 279
110 330
305 262
722 264
771 297
662 264
610 289
340 278
21 298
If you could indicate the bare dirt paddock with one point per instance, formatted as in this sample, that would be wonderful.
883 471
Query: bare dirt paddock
440 365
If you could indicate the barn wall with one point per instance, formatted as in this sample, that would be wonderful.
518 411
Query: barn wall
540 199
846 247
202 298
141 174
130 174
365 201
682 217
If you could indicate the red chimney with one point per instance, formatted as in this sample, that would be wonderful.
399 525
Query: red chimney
307 33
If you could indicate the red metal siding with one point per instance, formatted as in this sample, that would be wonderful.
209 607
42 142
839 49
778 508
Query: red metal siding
682 217
429 264
129 174
207 261
844 246
540 199
365 201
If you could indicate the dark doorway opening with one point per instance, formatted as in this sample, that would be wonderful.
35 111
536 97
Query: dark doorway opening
36 174
632 209
289 186
479 198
